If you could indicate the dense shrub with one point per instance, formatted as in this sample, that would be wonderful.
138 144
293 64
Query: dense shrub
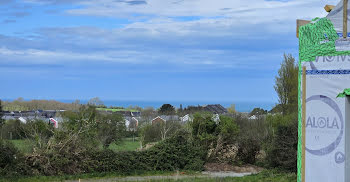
282 152
253 134
248 147
11 129
175 153
158 131
10 158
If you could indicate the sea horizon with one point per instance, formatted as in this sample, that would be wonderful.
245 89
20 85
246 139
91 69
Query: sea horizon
240 106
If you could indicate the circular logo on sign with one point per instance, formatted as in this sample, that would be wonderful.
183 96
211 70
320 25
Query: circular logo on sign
328 127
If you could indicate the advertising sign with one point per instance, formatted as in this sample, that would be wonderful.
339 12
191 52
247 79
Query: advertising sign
326 77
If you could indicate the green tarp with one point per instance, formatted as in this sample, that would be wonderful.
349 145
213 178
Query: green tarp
345 93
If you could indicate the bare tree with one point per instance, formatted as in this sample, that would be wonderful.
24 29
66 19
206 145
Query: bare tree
95 102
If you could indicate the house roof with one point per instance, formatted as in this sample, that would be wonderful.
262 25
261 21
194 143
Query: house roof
216 108
158 117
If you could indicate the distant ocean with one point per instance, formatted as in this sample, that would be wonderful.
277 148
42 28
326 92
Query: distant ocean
240 106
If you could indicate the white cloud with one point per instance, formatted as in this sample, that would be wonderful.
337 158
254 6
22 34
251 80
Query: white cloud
215 37
37 56
252 11
224 17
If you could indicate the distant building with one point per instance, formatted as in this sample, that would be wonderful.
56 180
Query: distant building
216 118
131 123
213 108
216 109
253 117
185 119
158 119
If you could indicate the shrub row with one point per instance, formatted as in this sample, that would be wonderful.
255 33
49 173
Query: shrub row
175 153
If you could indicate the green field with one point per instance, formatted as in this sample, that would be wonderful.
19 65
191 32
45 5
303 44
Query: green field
24 146
117 110
126 145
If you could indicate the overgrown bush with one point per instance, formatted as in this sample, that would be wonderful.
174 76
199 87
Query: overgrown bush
10 158
158 131
174 153
253 134
282 152
11 129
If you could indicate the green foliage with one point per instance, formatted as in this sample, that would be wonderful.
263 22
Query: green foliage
8 154
11 129
158 131
150 133
228 129
111 128
311 36
204 129
24 146
175 153
38 131
282 146
282 151
257 112
287 85
2 121
127 144
252 136
10 159
167 109
21 105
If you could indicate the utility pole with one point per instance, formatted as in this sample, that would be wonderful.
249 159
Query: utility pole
345 19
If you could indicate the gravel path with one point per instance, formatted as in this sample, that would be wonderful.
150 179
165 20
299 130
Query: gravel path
174 177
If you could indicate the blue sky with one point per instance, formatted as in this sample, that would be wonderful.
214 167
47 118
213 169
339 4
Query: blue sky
164 50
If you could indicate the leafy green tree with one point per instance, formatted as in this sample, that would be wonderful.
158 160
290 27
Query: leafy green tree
257 112
204 129
282 147
111 128
158 131
282 152
228 129
287 85
150 133
167 109
9 157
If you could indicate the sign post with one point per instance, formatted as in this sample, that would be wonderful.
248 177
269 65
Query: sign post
304 121
345 19
347 138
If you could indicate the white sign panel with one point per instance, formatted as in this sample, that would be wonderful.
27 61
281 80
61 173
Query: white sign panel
326 77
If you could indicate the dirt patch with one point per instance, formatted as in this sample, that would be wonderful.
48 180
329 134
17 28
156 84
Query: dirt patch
224 167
